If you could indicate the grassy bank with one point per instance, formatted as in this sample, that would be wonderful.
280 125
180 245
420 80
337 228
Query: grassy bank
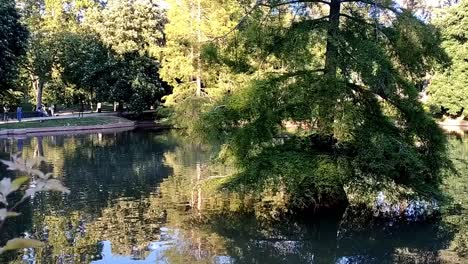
84 121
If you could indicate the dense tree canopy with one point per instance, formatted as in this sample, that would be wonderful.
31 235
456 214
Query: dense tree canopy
89 51
133 31
449 87
13 37
187 63
45 19
345 74
128 26
316 103
309 96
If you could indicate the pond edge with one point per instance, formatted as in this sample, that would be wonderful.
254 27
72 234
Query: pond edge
66 129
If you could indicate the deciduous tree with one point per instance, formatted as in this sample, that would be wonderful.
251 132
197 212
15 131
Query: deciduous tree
449 86
13 39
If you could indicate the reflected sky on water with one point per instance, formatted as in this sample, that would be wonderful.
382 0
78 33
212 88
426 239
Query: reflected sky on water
136 197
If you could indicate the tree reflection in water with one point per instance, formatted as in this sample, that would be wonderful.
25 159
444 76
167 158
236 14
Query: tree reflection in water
140 197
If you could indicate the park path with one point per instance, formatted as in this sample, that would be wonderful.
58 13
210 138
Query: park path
62 115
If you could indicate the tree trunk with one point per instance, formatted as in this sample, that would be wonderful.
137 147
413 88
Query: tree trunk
91 105
40 147
199 191
39 151
199 84
339 201
39 85
327 108
331 53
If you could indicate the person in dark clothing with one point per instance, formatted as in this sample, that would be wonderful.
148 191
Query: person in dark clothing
81 113
39 111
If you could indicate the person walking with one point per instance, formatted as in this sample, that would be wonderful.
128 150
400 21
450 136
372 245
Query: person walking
5 113
19 113
81 110
51 109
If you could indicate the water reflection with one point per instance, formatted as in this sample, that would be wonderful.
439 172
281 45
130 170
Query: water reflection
456 186
139 197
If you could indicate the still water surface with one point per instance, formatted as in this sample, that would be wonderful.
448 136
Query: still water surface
136 198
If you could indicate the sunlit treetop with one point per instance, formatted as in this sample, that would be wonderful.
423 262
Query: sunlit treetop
449 86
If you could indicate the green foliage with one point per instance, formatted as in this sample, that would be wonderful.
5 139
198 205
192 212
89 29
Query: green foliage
129 26
88 51
351 90
44 19
92 68
346 79
84 61
456 188
449 86
120 59
13 39
304 178
190 63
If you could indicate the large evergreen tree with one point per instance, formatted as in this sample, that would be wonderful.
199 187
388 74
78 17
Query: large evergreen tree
449 86
344 73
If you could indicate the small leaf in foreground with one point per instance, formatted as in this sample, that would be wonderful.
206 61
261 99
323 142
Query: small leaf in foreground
18 243
4 214
55 185
16 184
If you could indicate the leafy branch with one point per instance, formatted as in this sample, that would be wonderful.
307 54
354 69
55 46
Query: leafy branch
38 182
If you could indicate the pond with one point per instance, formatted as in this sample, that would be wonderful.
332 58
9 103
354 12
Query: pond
136 198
